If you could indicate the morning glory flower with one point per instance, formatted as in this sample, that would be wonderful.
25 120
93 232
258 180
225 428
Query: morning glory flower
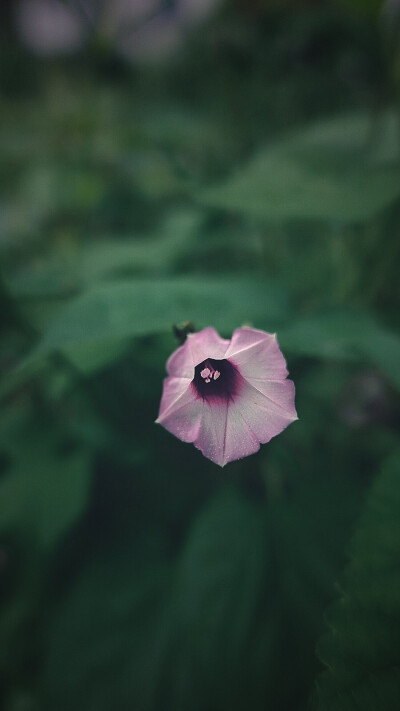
227 397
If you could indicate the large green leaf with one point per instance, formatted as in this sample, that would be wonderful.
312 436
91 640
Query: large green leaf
145 306
88 262
345 335
251 588
94 328
219 589
44 489
108 644
42 492
335 170
155 254
361 649
243 608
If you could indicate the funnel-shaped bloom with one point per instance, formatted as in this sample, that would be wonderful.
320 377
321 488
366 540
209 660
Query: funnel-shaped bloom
227 397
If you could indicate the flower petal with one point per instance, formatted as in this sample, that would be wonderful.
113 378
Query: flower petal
256 354
266 417
279 393
173 389
180 363
197 347
182 417
223 435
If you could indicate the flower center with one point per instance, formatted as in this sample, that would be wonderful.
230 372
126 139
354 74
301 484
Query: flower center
215 379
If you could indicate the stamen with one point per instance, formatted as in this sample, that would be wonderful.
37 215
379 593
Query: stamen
218 379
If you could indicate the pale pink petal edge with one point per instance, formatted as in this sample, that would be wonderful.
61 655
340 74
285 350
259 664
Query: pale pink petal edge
257 354
197 347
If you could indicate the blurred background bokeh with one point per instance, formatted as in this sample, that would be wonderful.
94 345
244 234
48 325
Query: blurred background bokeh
227 162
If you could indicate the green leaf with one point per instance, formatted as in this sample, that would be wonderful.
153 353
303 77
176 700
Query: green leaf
364 7
219 583
109 639
44 491
361 649
144 306
93 329
155 253
327 171
62 273
251 587
243 608
91 357
341 335
309 518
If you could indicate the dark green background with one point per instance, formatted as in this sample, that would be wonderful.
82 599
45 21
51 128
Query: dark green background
251 177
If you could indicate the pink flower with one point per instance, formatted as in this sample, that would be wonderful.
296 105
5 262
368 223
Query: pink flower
227 397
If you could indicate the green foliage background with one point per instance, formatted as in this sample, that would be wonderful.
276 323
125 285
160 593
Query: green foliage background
253 177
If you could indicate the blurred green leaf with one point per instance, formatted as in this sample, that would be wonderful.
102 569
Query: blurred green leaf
361 649
94 329
217 629
335 170
155 254
365 7
45 490
219 587
310 517
145 306
108 644
345 335
69 267
92 357
252 583
26 369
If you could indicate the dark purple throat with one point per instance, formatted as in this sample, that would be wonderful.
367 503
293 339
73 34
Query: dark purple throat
216 379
